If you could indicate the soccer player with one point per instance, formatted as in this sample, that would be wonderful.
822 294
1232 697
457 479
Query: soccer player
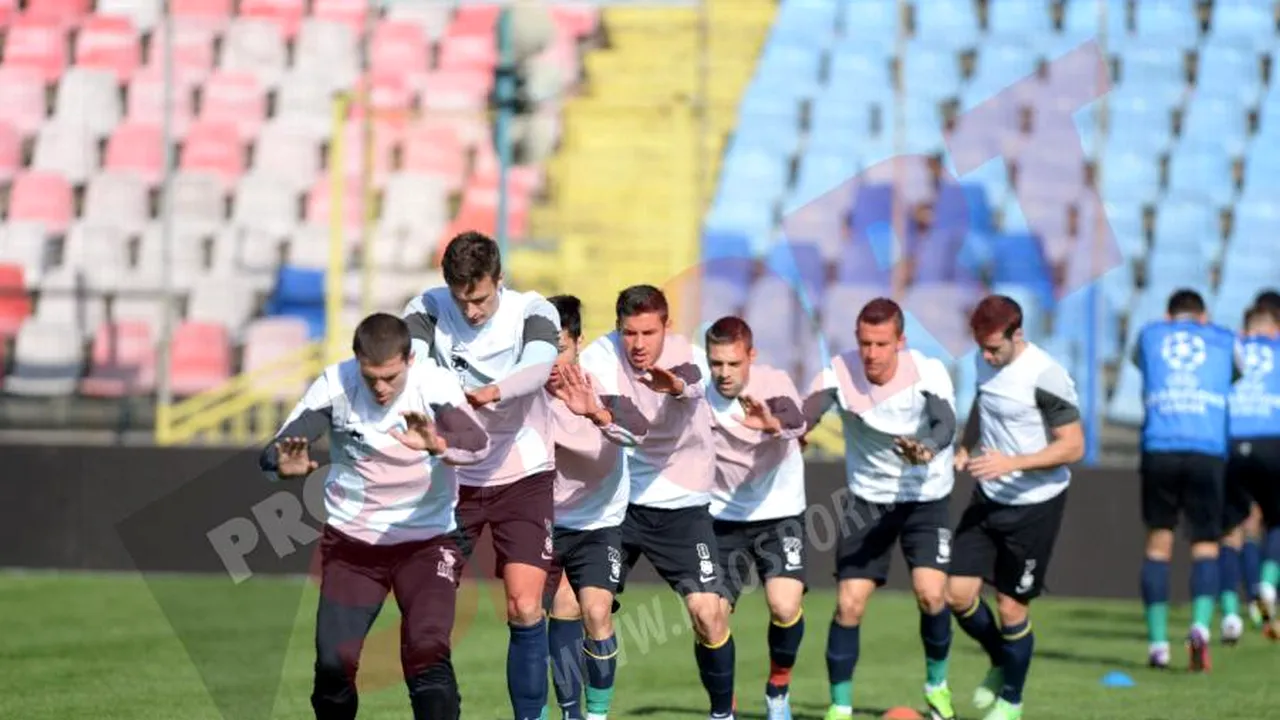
502 344
758 500
671 472
396 427
592 486
1252 469
1187 367
898 412
1023 431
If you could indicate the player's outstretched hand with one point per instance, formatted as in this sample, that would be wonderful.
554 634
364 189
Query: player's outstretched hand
992 464
758 416
420 433
576 392
913 451
662 380
482 396
961 459
294 457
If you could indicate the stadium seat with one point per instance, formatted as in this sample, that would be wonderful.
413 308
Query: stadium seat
15 303
227 300
401 46
122 361
1227 68
100 254
434 149
208 16
772 311
800 264
299 292
143 15
1188 226
262 203
200 358
147 310
432 18
414 203
43 197
1218 119
947 23
287 153
234 98
136 149
22 99
66 150
1246 24
185 265
327 50
720 298
213 148
1126 405
1013 19
456 89
286 15
47 360
38 45
267 341
10 152
1202 170
350 13
1169 21
109 43
255 46
88 99
146 103
199 202
193 51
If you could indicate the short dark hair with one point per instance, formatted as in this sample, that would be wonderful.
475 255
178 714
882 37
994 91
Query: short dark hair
640 299
1254 313
882 310
469 258
728 330
996 314
1269 301
1185 301
382 337
570 309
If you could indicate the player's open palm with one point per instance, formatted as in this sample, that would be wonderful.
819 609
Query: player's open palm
913 451
662 380
576 392
419 433
757 415
294 457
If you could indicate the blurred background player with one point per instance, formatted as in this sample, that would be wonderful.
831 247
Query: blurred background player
1187 367
395 427
502 345
1253 470
898 412
1022 433
758 500
671 473
590 431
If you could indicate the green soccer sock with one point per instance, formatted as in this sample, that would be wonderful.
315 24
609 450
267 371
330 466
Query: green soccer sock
935 672
1157 622
842 694
1230 600
599 700
1270 572
1202 610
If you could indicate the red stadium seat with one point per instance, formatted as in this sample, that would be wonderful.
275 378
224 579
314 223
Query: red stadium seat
269 340
385 139
524 180
475 20
400 46
480 209
214 148
285 14
208 14
235 97
109 43
123 361
146 102
23 103
200 357
10 152
468 52
137 148
15 303
348 12
319 204
576 20
66 14
39 44
193 55
435 149
8 9
42 197
457 89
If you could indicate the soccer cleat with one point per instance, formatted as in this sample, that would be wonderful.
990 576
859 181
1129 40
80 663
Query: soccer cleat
987 692
1232 629
838 713
1004 710
939 701
777 708
1158 656
1198 650
1255 614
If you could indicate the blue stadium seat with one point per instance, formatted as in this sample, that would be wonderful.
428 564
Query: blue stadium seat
752 176
721 297
869 19
801 264
725 244
1127 226
754 220
1229 307
1154 68
923 333
1139 123
921 127
1004 62
947 23
1128 176
1170 21
928 72
1019 258
799 60
819 172
766 134
855 66
993 177
1176 268
1033 317
872 204
869 256
1202 170
1227 68
772 311
1215 118
806 21
1244 21
966 383
300 292
1186 226
1085 18
962 206
1126 406
1262 170
1018 18
1071 323
1256 226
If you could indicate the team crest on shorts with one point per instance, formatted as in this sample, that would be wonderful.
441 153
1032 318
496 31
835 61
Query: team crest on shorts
448 561
791 547
1028 579
944 546
548 547
615 565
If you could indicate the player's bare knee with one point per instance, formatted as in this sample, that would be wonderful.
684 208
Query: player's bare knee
1204 550
1012 611
565 606
960 596
597 617
524 609
849 609
1159 544
784 610
931 600
709 620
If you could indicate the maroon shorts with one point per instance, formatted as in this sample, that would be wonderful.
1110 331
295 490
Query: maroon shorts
520 515
355 578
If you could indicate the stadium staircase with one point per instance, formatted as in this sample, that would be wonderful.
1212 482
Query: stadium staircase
627 202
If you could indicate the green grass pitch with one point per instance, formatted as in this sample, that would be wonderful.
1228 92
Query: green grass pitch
98 646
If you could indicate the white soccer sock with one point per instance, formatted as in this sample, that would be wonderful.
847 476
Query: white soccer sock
1267 594
594 716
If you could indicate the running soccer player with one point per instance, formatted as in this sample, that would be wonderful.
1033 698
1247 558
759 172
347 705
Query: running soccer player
1187 367
1254 527
396 427
502 344
671 472
592 486
898 412
1252 469
758 500
1023 431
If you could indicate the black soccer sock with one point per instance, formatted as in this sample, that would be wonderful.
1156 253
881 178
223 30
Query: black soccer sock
1251 567
527 670
433 694
784 645
1018 643
602 663
978 623
565 635
935 633
843 644
715 666
1229 576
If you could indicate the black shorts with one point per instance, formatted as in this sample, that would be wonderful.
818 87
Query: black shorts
681 545
1008 546
1183 483
519 515
869 531
588 558
772 548
1253 473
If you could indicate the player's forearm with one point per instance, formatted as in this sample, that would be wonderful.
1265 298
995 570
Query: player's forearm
531 373
791 420
817 405
466 442
308 423
1062 451
691 376
942 423
620 421
971 429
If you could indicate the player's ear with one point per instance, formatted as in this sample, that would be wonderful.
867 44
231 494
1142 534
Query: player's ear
751 354
902 342
409 361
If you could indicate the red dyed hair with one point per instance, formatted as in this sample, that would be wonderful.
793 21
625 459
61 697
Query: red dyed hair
996 314
880 311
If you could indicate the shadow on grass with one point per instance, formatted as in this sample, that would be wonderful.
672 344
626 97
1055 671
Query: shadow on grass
1114 615
1097 633
1085 659
800 711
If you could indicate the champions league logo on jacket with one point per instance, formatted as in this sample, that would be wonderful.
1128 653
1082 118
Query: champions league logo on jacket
1259 361
1184 353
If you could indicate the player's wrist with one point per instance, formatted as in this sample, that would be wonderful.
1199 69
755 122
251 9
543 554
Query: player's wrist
600 417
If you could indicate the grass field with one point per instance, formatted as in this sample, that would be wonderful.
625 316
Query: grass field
95 646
